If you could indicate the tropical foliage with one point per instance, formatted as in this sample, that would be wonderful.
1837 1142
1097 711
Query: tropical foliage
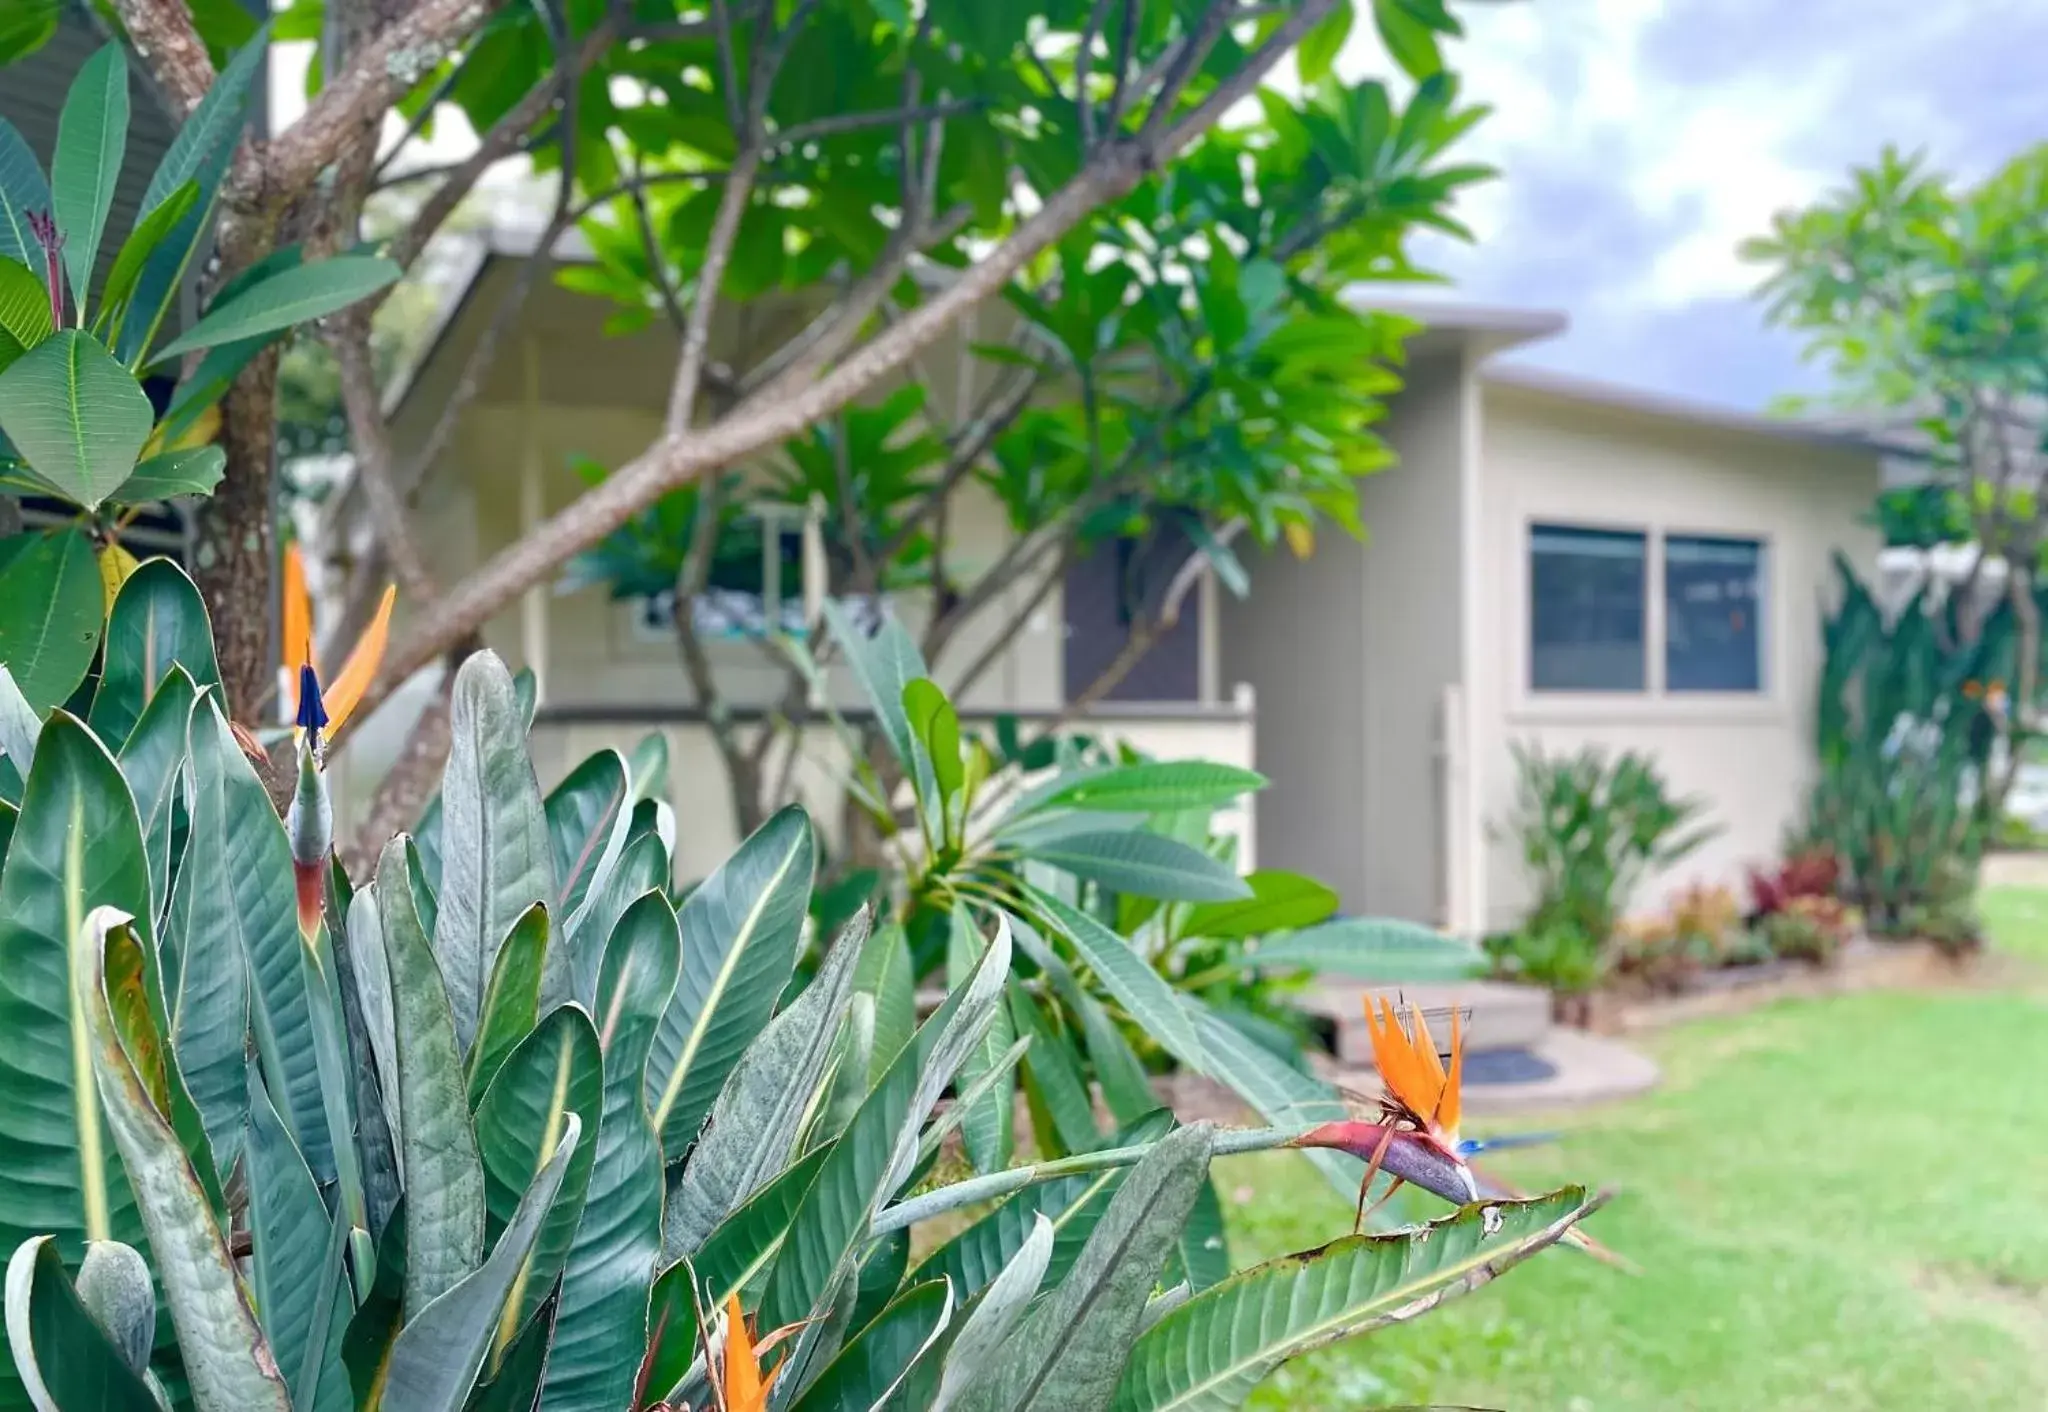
105 405
486 1133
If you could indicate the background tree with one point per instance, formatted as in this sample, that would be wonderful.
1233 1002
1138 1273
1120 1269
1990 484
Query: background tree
1927 299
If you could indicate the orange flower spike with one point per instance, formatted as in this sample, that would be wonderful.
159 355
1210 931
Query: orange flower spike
1394 1057
297 641
745 1389
349 684
1426 1055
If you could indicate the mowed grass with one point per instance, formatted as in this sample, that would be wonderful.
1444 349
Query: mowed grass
1836 1203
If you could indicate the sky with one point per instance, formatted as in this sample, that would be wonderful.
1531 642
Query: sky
1640 141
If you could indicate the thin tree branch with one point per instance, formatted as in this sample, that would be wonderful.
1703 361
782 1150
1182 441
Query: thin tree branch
435 98
349 340
842 123
718 248
993 651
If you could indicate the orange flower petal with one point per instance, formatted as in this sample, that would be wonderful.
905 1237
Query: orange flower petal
361 667
1425 1051
1447 1104
297 646
745 1390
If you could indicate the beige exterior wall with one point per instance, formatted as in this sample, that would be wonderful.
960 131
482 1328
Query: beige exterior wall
1547 457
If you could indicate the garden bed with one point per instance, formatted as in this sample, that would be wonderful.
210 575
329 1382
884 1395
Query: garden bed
1863 964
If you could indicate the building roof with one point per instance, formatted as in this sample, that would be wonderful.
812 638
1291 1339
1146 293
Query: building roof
1638 401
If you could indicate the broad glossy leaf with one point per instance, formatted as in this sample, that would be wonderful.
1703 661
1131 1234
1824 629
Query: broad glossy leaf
154 761
77 845
226 1361
496 860
986 1128
588 817
22 190
511 1005
19 725
435 1361
75 415
601 1328
742 1245
142 242
648 768
1071 1349
990 1320
1143 993
870 1370
301 1289
159 622
642 868
884 665
743 925
515 1385
444 1180
1153 787
174 473
1372 948
936 726
672 1329
61 1353
288 298
1212 1351
92 138
51 608
759 1115
1062 1111
24 304
1144 865
1280 901
555 1072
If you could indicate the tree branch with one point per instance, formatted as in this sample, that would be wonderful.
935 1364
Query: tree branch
349 340
993 651
165 40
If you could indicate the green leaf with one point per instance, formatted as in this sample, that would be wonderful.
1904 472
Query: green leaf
142 242
1153 787
302 1292
115 1286
75 415
1001 1305
672 1329
754 1125
61 1352
870 1370
556 1072
934 722
1409 41
1144 994
51 608
435 1361
174 473
159 622
740 1248
153 760
444 1180
986 1129
24 304
22 190
1320 46
92 137
588 817
1213 1350
1202 1258
496 859
225 1357
1143 864
291 297
1372 948
745 923
511 1005
515 1386
601 1328
884 975
641 869
1070 1350
76 845
1281 1094
648 769
1280 901
19 724
1053 1079
27 26
884 665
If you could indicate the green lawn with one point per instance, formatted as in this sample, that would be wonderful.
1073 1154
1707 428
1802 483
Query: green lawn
1839 1203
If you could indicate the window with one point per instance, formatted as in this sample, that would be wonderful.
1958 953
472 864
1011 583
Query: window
1586 601
1713 589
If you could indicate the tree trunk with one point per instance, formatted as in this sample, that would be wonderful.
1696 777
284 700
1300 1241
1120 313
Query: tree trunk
236 545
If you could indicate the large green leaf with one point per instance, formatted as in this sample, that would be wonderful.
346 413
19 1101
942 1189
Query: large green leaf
601 1328
588 815
1152 787
511 1005
226 1360
435 1361
1280 901
19 724
51 604
759 1114
1281 1094
75 415
1212 1351
555 1072
884 664
496 860
234 928
290 297
92 137
995 1314
1143 993
1143 865
142 242
24 305
444 1179
1071 1349
192 472
301 1289
1062 1109
987 1128
744 922
153 759
643 867
77 845
873 1367
159 622
22 190
1372 948
60 1351
884 976
742 1245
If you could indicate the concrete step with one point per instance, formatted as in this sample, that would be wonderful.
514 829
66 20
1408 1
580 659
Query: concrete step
1497 1014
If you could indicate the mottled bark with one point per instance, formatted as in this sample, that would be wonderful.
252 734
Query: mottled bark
235 548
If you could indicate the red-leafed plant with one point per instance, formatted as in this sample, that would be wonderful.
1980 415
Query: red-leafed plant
1811 872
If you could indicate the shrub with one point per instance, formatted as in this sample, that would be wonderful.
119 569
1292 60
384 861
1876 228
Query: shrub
1806 872
486 1132
1809 927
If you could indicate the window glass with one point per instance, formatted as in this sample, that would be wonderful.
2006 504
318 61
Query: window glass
1713 597
1586 599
